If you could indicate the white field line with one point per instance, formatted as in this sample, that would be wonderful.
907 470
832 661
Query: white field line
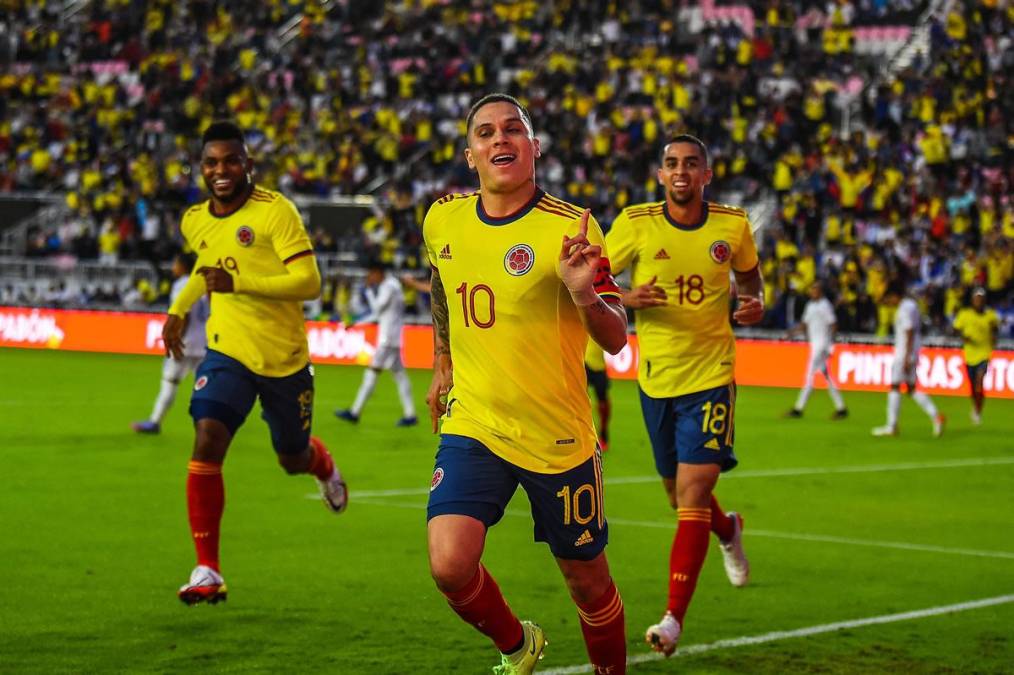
760 473
775 636
827 539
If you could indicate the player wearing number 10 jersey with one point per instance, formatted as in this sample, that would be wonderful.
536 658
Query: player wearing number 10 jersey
682 251
520 280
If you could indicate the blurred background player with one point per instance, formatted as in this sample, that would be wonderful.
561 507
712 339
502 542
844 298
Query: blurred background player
820 325
195 339
907 343
531 283
386 304
687 362
264 268
978 326
598 380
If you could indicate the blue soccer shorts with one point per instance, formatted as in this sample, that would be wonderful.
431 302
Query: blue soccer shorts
225 390
567 508
691 429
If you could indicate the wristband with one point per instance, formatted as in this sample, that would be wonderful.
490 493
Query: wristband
584 298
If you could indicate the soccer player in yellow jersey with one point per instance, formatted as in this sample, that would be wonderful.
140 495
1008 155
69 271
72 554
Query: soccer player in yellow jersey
519 281
682 251
256 263
978 326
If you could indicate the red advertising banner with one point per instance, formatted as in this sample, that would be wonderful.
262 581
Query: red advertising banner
770 363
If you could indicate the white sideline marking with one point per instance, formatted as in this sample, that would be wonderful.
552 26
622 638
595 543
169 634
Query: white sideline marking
759 473
828 539
802 632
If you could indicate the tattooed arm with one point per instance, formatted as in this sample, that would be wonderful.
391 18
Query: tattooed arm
443 375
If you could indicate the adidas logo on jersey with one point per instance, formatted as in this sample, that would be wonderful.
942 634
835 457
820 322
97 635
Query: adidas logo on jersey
661 255
203 245
712 444
585 538
445 252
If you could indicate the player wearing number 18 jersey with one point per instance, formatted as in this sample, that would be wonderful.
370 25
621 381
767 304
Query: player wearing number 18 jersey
520 280
682 251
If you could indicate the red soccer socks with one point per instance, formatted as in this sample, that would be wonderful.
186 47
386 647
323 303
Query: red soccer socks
604 633
481 604
689 549
205 504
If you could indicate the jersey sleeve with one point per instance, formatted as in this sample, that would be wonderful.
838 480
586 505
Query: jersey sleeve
289 238
604 283
621 243
745 258
429 225
959 321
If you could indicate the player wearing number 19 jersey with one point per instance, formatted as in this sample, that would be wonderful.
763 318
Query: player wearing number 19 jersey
520 281
682 251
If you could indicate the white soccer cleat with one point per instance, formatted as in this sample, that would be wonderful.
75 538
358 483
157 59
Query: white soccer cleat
938 425
205 585
737 567
976 418
663 636
885 431
334 492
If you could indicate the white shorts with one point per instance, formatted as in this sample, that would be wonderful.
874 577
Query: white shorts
175 370
387 358
900 374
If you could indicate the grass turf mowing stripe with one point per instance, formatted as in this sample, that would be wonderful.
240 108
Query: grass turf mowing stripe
774 636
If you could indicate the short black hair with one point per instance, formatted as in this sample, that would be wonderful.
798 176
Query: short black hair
188 260
693 140
896 287
377 264
223 130
497 97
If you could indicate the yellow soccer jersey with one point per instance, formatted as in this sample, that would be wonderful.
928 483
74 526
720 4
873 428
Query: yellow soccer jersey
594 356
266 335
517 342
686 345
977 329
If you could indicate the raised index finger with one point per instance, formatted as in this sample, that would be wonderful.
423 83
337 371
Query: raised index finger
582 229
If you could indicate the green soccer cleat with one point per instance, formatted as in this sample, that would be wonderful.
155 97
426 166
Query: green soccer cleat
524 660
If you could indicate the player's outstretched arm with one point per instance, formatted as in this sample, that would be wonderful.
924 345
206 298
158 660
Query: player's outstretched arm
751 297
443 369
579 263
301 281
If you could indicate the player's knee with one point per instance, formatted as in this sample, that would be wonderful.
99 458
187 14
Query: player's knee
450 573
293 464
211 441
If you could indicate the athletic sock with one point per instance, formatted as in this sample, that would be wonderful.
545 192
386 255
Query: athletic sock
164 400
321 462
893 406
404 386
721 524
205 504
604 633
481 604
689 548
365 390
926 403
605 410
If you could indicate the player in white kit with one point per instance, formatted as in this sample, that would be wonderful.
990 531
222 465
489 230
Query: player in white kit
195 341
820 325
907 342
387 307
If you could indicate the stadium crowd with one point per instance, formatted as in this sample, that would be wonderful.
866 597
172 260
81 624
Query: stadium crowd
877 173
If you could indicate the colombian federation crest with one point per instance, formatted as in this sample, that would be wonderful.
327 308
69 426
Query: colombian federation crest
438 477
720 251
201 382
519 259
245 235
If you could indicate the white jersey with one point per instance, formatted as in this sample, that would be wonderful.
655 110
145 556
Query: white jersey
387 308
195 338
907 318
820 321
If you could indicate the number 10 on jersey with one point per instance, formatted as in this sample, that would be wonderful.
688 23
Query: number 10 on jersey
481 295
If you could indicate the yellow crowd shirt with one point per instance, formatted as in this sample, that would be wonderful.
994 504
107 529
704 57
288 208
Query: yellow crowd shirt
516 338
594 357
977 330
687 344
260 238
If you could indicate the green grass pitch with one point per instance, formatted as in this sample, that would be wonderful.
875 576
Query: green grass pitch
840 527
